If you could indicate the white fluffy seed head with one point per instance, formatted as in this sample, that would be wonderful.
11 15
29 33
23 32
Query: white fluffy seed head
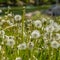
10 14
22 46
10 43
55 44
2 33
18 58
17 17
37 24
35 34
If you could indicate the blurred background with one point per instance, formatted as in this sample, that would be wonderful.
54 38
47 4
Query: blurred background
26 2
30 5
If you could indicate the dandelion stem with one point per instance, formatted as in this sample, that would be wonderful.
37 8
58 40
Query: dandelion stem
23 17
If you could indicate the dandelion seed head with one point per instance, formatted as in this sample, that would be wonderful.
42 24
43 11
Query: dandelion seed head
2 33
18 58
35 34
17 17
37 24
10 43
22 46
55 44
10 14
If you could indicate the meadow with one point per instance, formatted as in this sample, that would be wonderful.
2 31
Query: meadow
29 36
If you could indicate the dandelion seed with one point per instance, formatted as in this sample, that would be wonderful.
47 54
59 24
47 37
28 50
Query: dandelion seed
50 28
17 17
6 37
10 43
2 33
35 34
22 46
38 24
18 58
51 21
10 23
57 36
10 14
55 44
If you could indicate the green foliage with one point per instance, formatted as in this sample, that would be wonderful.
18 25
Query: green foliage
28 1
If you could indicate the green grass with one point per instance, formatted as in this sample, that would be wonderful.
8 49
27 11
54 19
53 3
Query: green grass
42 49
18 10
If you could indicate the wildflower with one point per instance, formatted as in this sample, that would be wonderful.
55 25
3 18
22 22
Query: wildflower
50 28
56 26
17 17
18 58
28 23
35 34
6 37
10 15
2 33
55 44
51 21
30 45
58 36
22 46
10 42
9 22
38 23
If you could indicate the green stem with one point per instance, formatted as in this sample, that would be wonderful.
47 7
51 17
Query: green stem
23 17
